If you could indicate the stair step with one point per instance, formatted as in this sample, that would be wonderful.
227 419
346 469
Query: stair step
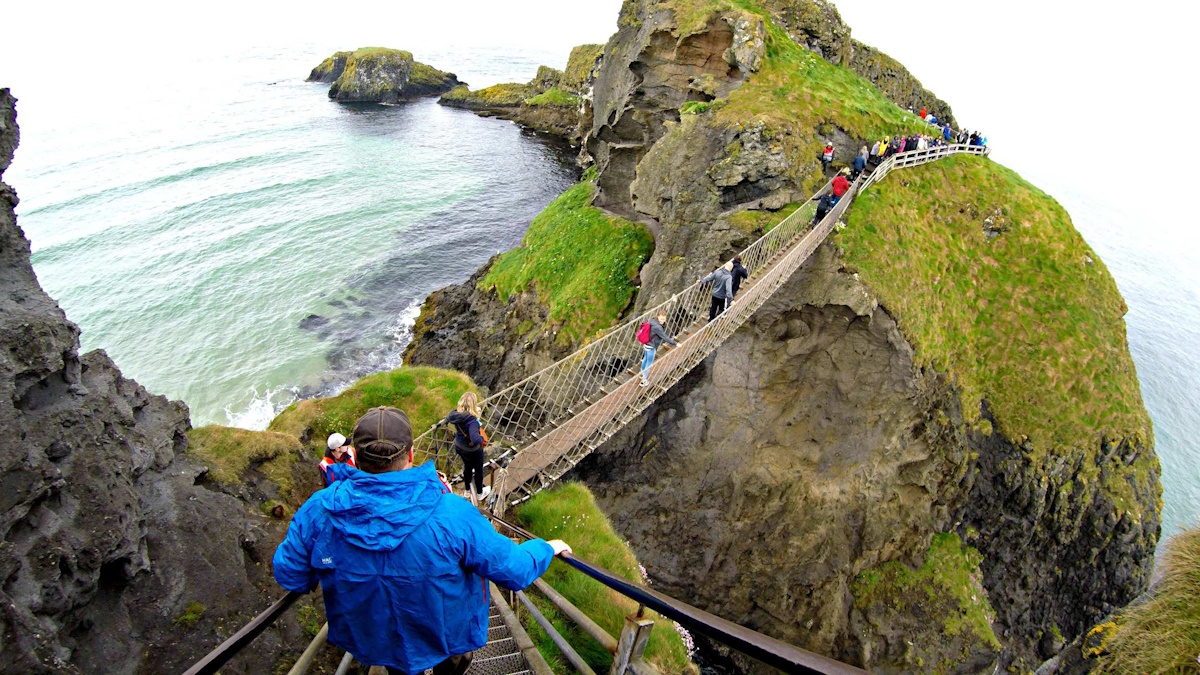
498 665
501 647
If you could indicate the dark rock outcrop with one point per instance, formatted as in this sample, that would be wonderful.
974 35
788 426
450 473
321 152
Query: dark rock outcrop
109 533
379 75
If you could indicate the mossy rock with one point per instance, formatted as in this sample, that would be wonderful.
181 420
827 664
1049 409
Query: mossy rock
425 394
581 67
230 453
936 618
381 75
495 96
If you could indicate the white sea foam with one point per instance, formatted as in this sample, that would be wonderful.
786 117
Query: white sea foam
261 409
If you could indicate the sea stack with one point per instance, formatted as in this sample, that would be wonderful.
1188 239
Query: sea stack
380 75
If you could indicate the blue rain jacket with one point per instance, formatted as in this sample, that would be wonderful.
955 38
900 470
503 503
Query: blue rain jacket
403 565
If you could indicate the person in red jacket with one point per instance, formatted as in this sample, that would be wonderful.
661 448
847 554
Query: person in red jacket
827 156
923 111
840 185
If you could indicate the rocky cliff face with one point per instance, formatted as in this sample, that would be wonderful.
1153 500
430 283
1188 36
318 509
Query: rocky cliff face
379 75
110 540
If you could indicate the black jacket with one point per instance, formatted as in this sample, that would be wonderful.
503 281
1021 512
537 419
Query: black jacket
466 430
739 273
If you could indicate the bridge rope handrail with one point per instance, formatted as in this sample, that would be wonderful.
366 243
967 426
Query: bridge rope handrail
553 418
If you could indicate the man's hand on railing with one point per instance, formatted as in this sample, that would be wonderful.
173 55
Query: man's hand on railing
559 546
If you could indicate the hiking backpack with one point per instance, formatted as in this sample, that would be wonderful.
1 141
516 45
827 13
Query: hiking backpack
643 334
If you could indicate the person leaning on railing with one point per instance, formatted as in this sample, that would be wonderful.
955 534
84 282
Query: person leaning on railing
402 562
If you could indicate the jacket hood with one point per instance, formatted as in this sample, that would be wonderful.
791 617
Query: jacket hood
457 417
378 511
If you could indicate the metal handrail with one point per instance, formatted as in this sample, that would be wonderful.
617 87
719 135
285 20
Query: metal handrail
773 652
213 661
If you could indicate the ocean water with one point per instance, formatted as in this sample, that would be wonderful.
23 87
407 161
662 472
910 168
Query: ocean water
233 238
191 224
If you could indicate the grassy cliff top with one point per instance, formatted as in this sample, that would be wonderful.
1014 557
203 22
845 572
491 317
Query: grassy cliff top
425 394
579 66
569 512
794 87
582 262
992 284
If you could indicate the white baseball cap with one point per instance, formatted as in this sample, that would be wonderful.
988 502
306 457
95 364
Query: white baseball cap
335 441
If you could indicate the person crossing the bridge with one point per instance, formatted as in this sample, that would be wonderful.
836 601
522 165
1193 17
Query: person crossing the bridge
402 562
840 185
722 289
652 334
827 156
469 441
739 274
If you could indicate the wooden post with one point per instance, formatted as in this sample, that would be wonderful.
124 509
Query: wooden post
634 636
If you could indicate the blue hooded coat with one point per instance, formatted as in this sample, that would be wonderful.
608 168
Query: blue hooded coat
403 565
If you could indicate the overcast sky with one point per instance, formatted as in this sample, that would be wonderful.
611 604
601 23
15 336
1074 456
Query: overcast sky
1103 90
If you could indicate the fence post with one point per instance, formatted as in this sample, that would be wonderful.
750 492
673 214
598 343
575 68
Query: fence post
634 636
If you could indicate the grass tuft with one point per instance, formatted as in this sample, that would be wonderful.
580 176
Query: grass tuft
230 452
425 394
1029 320
582 262
554 97
191 615
569 512
1161 635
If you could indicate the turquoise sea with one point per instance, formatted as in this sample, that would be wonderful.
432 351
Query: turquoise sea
234 239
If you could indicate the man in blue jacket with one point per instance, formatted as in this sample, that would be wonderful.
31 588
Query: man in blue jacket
403 564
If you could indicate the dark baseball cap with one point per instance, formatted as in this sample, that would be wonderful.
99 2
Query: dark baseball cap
382 434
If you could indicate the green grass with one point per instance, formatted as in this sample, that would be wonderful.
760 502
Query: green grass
579 66
425 394
508 94
795 94
569 512
949 577
761 222
229 452
1161 635
582 261
554 97
1030 321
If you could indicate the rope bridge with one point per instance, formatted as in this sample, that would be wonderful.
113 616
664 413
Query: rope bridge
546 423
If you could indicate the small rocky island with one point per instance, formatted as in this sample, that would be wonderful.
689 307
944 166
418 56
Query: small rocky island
380 75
